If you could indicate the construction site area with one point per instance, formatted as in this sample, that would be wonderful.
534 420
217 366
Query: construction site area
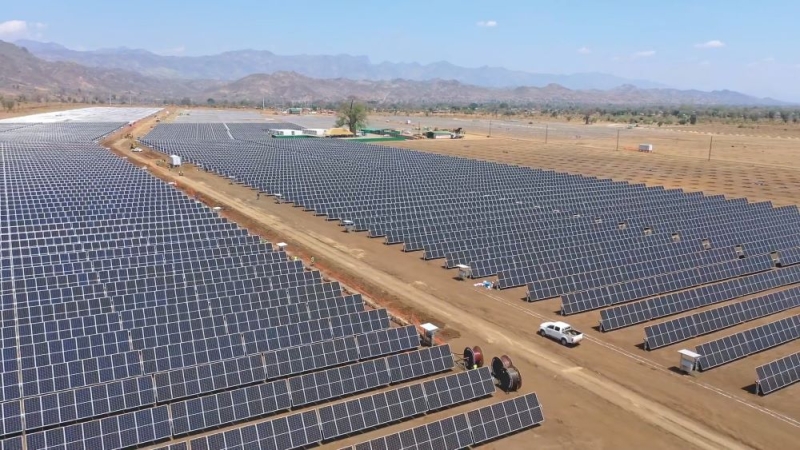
454 250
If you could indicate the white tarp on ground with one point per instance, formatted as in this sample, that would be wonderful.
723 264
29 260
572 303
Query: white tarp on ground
95 114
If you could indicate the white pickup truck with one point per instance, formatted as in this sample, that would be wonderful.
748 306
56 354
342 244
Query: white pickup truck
561 332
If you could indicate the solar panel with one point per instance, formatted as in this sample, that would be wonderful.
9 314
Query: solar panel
293 431
491 422
337 382
384 342
778 374
745 343
464 430
229 406
450 390
709 321
425 361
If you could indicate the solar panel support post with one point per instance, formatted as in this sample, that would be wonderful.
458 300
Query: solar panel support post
710 145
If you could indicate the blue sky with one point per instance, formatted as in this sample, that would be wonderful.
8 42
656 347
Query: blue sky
741 45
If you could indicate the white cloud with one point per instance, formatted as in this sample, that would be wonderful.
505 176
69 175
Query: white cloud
711 44
584 50
768 59
704 63
487 23
644 54
19 29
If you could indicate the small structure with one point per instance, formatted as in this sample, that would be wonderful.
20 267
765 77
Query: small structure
349 226
645 147
281 246
439 135
174 160
315 132
295 110
464 271
278 133
430 330
688 362
340 132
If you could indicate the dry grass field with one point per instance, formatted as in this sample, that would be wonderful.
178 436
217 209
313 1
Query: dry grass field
607 393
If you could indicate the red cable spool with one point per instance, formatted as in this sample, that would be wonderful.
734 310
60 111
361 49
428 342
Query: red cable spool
478 356
510 379
500 363
473 357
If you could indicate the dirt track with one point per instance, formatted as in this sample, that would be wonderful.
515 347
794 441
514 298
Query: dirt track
595 396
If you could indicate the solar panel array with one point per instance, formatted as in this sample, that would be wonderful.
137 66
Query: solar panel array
132 314
778 374
335 421
709 321
60 132
464 430
748 342
666 305
595 243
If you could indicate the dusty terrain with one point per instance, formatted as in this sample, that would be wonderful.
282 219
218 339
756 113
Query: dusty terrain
606 393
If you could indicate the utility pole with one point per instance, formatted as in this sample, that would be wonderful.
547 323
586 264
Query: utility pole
263 100
617 140
546 132
490 127
710 144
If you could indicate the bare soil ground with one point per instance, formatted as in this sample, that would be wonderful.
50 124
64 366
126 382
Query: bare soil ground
605 393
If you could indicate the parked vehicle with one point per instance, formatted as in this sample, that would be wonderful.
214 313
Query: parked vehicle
561 332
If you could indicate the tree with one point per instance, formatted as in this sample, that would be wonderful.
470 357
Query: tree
8 104
211 102
186 101
693 119
351 115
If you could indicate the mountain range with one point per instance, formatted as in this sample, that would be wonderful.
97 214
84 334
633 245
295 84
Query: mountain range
238 64
22 72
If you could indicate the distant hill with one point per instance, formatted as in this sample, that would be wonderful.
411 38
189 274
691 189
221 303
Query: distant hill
241 63
293 87
23 73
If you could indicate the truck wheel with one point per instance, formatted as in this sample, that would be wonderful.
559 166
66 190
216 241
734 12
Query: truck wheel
541 333
563 342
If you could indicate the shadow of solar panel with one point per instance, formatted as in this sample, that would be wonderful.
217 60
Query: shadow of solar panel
748 342
384 342
283 433
676 330
494 421
425 361
778 374
457 388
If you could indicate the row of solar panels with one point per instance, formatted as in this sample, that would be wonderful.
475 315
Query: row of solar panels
257 401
